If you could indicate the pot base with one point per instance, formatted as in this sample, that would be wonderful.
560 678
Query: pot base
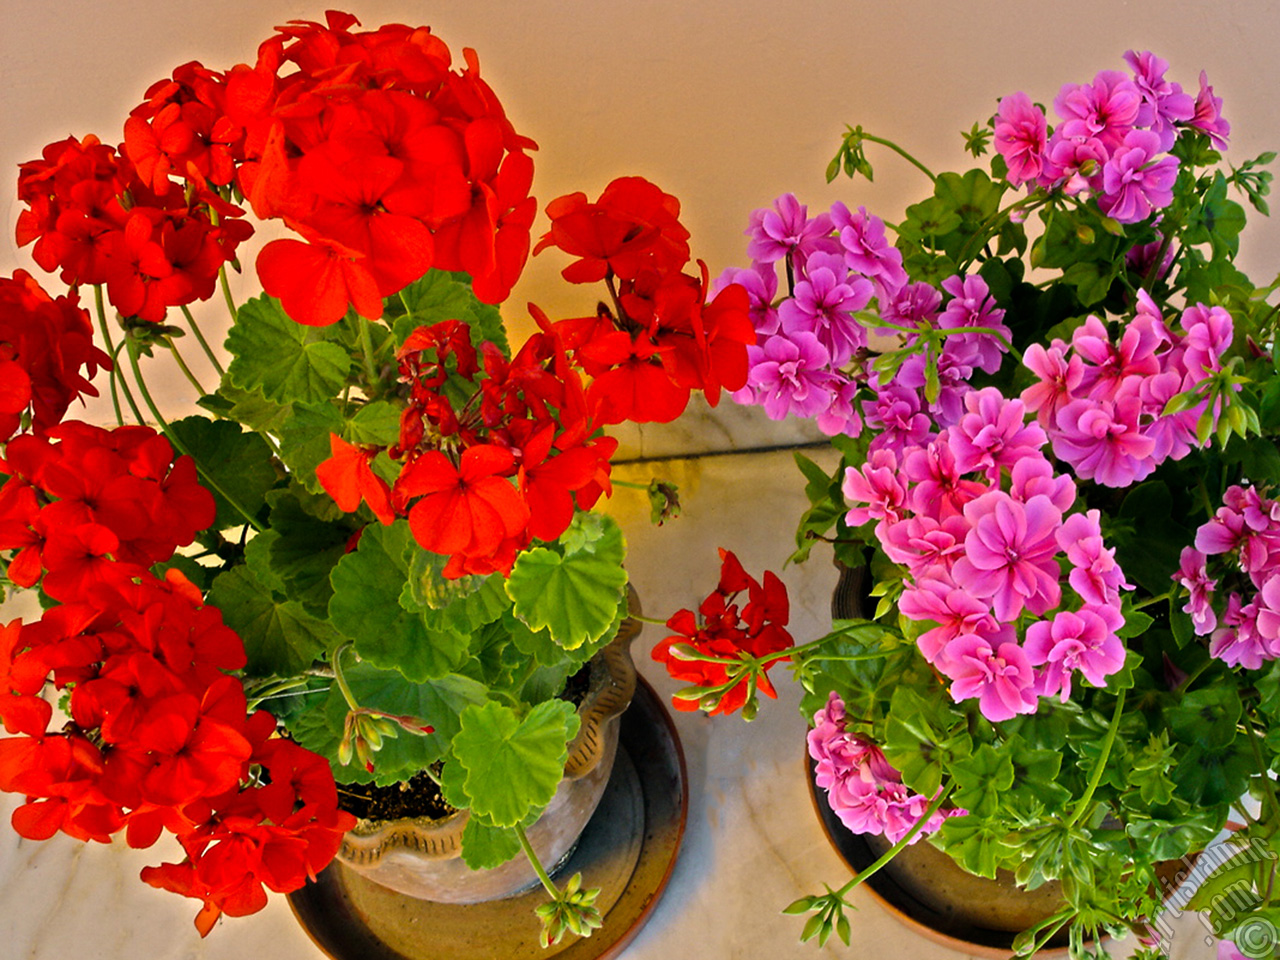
628 849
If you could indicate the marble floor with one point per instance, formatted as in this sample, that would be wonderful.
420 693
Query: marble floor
752 844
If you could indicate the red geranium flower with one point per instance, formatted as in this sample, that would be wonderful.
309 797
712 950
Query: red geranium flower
470 509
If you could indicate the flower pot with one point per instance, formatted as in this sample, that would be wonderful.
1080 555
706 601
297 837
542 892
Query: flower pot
421 857
927 891
923 887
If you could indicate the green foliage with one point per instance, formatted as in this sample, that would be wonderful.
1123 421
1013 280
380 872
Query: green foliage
572 588
282 360
365 607
513 764
237 462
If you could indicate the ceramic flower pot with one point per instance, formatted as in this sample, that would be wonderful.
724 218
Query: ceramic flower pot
421 857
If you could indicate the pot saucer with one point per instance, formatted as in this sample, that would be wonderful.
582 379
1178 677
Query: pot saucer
628 849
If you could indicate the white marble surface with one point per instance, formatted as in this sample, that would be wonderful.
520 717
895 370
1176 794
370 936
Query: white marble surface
752 845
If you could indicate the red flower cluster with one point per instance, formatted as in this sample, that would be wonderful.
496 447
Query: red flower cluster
86 505
520 452
726 633
665 340
159 738
92 216
47 356
482 479
381 156
385 160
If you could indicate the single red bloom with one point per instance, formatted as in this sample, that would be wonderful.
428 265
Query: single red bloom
316 282
347 477
470 509
632 226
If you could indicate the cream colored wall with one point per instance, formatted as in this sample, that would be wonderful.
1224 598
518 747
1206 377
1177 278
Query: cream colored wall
724 104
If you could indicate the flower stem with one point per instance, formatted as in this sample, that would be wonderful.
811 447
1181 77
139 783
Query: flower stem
116 376
186 371
366 349
527 847
902 153
204 344
1098 768
900 845
226 293
347 695
1264 771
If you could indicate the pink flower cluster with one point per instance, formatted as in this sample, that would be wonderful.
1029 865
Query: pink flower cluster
864 791
808 360
1113 138
981 524
1101 401
1244 539
835 263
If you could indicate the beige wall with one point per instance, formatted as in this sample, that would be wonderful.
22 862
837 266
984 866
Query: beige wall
724 104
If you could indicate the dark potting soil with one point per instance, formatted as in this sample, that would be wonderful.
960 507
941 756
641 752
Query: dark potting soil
419 796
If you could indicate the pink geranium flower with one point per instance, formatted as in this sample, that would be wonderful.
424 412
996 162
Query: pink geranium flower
1020 135
1135 183
1001 677
1082 641
1059 377
1193 575
1103 441
993 433
1011 554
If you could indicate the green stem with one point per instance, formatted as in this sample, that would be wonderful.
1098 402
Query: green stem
226 293
1058 921
1148 602
1100 767
1192 677
341 680
366 349
273 690
1263 770
899 846
636 616
204 344
208 480
186 371
902 153
614 482
116 376
527 847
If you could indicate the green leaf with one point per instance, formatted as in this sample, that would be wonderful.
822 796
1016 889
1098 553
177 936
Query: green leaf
304 549
367 585
282 360
304 440
513 766
257 413
280 637
485 846
574 595
374 423
239 464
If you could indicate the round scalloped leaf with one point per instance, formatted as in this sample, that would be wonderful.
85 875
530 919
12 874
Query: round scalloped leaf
575 595
365 606
513 766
